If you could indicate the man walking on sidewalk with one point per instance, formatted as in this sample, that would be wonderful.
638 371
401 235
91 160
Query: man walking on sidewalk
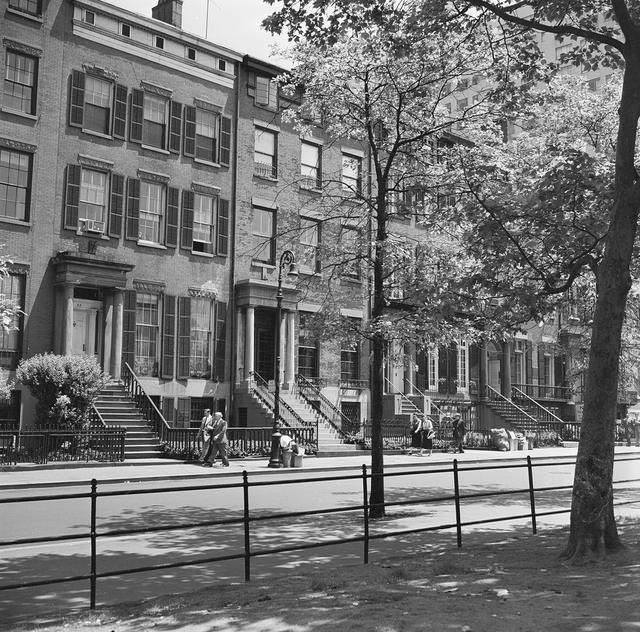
218 430
459 430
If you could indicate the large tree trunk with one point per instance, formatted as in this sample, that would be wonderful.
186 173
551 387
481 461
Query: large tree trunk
593 529
376 499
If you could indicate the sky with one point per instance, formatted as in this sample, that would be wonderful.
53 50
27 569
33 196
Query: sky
232 23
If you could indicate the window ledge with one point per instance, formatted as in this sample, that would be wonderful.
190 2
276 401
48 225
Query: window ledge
208 255
348 279
263 264
92 132
26 16
17 222
151 244
31 117
201 161
308 189
309 272
156 149
267 178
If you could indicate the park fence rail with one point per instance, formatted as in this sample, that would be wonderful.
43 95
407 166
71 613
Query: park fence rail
249 516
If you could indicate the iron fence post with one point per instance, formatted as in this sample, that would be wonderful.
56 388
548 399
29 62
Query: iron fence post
94 497
532 498
365 506
456 491
247 536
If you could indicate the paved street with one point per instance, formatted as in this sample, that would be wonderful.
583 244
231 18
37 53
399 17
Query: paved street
408 478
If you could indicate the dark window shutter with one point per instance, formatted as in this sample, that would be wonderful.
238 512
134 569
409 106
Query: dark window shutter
225 140
319 174
72 197
76 102
133 208
528 376
189 131
186 234
540 363
175 124
223 227
184 337
275 156
169 409
136 117
168 337
117 205
318 249
220 338
129 329
120 112
171 234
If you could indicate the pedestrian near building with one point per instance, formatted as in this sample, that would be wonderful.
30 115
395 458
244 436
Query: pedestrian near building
416 434
219 442
459 431
203 438
427 436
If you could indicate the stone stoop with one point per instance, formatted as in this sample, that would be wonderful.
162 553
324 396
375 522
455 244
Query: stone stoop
118 409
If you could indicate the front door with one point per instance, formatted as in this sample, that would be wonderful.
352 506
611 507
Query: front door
86 330
265 344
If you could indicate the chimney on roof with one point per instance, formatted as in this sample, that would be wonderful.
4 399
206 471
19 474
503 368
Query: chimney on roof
169 11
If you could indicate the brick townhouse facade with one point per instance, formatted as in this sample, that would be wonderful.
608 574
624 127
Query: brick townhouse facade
148 188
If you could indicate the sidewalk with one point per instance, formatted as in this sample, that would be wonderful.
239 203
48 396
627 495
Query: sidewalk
60 474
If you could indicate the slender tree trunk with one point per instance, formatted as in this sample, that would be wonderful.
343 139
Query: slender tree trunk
376 499
593 529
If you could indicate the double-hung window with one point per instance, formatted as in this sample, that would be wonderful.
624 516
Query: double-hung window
351 174
263 229
147 334
98 99
152 205
206 135
310 244
204 212
11 289
20 82
93 197
265 154
463 363
15 184
201 333
310 166
154 127
350 238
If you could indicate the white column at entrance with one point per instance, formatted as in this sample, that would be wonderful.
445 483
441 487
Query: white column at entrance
116 334
67 319
249 337
283 340
240 339
291 350
107 331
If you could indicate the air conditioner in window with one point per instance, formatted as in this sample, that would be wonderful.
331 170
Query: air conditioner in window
93 226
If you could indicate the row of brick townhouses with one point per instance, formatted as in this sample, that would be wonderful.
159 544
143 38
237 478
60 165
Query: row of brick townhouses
148 186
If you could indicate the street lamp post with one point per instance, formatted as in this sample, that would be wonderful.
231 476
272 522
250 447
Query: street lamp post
287 258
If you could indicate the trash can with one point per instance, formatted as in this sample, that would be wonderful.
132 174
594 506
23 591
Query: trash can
286 458
298 458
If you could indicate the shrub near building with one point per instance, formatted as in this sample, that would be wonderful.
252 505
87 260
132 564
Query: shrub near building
65 387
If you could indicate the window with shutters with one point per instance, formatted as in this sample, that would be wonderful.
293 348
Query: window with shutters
98 105
15 184
154 126
147 334
263 229
20 82
205 221
32 7
207 134
201 334
265 153
263 90
310 166
12 289
152 205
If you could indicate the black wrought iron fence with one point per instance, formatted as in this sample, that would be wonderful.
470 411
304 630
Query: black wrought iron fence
248 516
46 445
